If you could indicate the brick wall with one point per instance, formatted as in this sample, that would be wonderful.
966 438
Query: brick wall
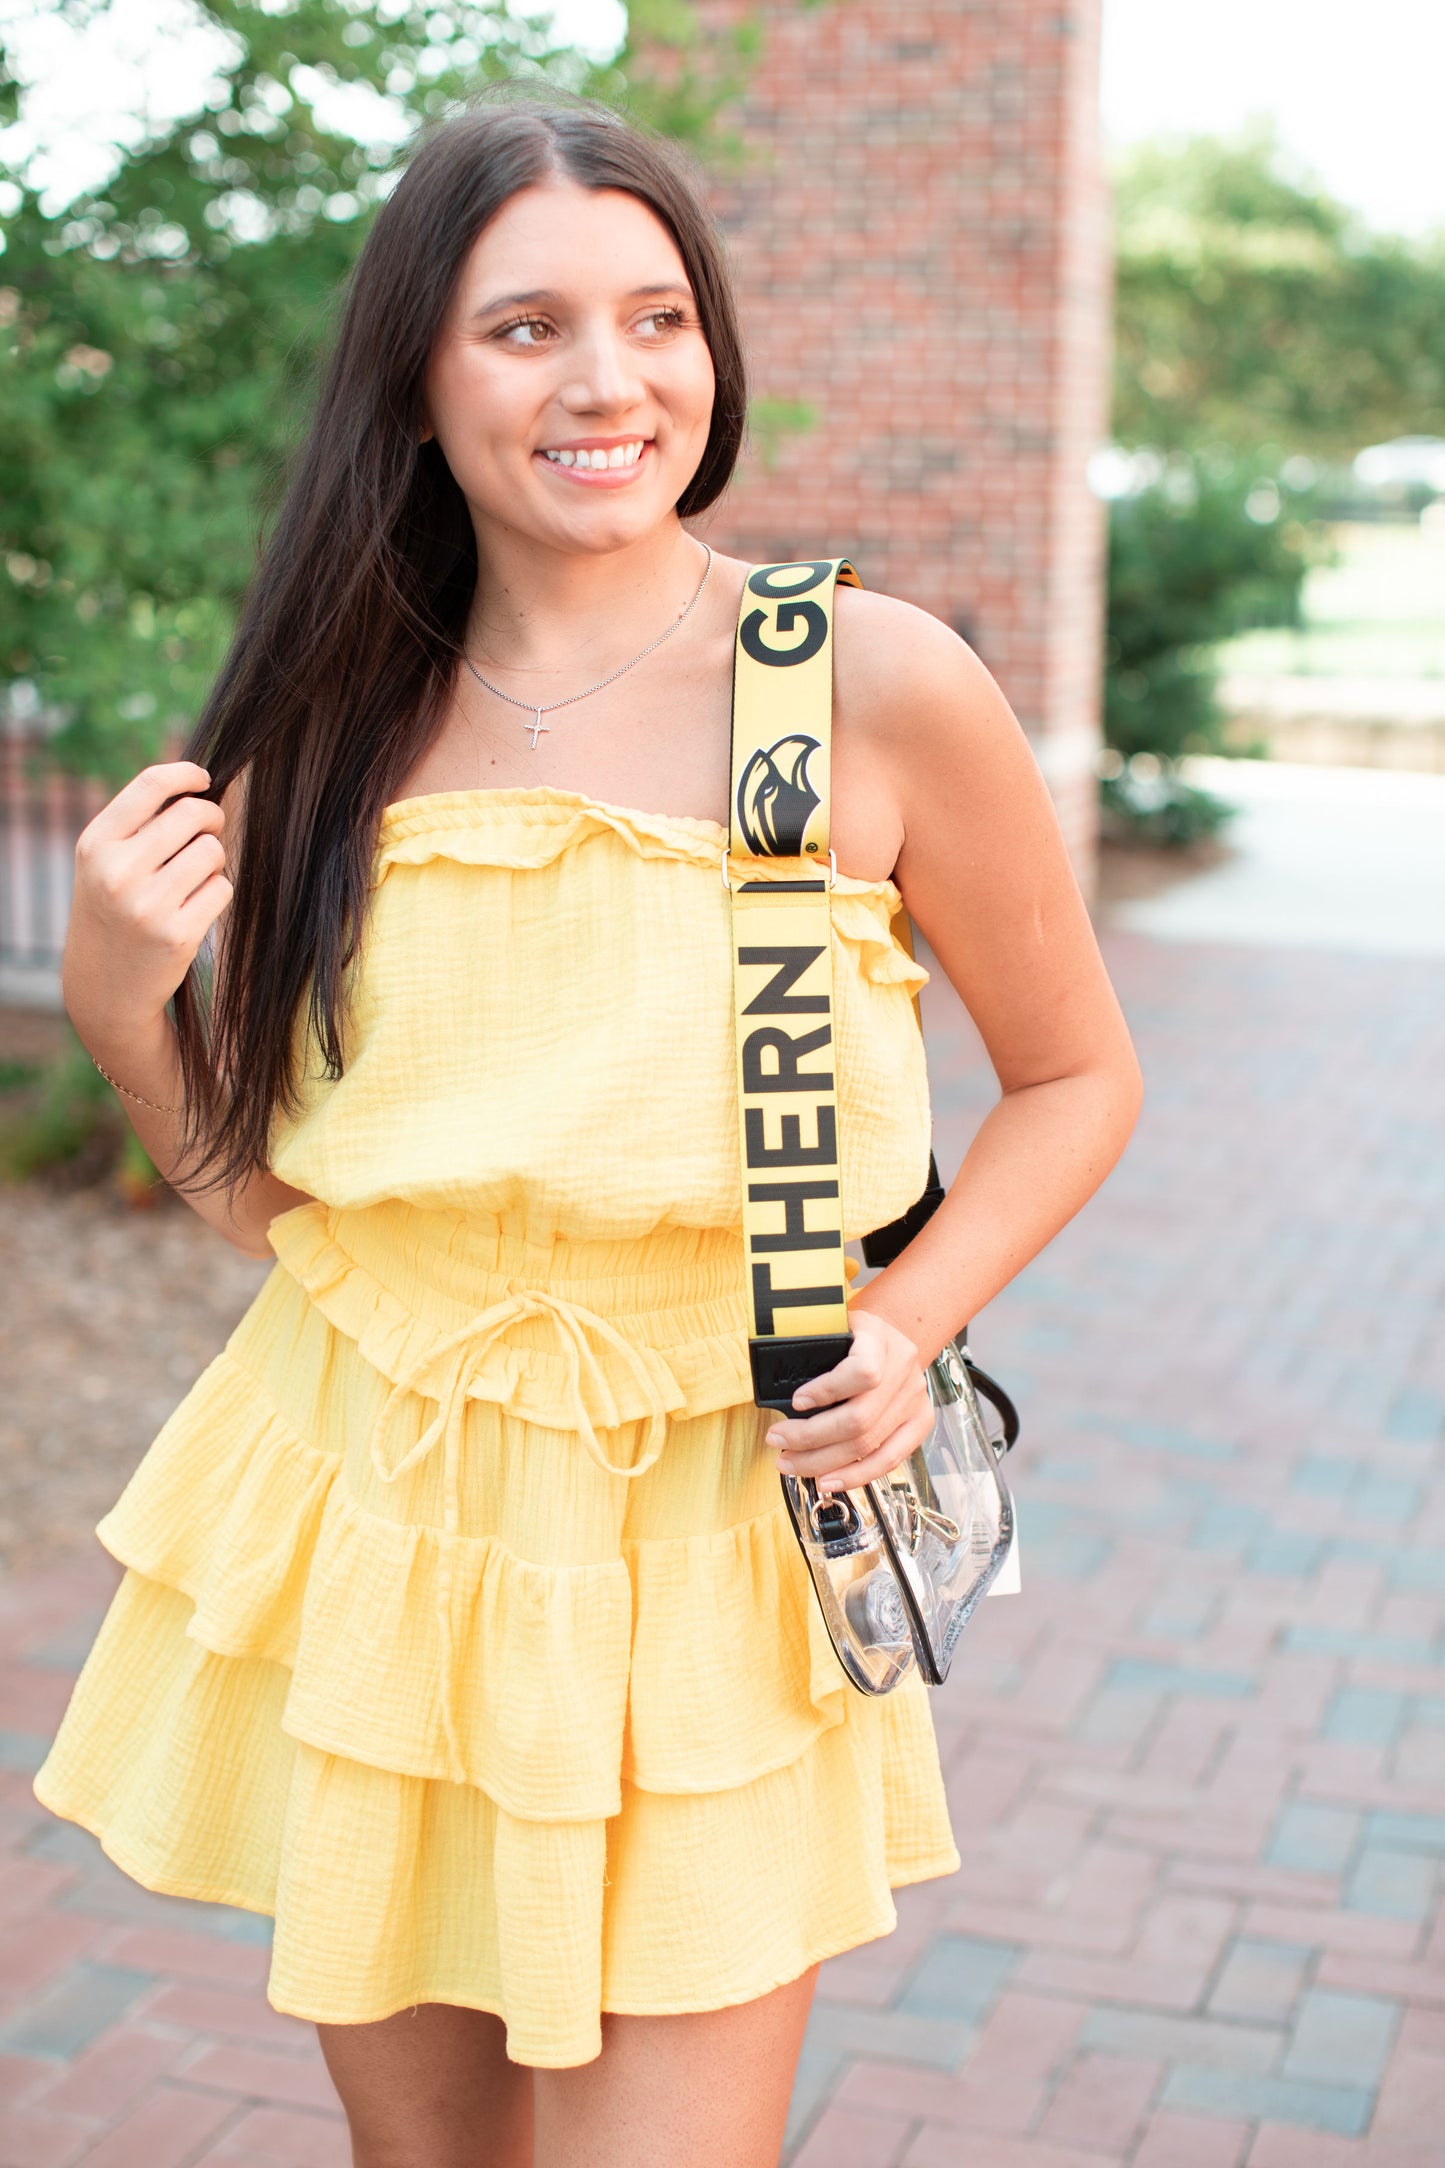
919 231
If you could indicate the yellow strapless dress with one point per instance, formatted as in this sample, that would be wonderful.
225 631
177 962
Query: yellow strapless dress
463 1629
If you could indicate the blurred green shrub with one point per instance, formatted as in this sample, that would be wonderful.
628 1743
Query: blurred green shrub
60 1118
774 422
1145 800
1203 551
1259 327
1200 552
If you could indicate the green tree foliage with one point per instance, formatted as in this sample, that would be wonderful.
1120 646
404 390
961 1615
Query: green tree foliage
1196 557
1257 321
1255 311
157 339
1199 554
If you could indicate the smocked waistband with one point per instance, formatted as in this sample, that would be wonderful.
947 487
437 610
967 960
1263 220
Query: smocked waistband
664 1315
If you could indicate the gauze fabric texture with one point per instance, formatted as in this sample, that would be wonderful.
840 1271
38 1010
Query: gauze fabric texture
462 1628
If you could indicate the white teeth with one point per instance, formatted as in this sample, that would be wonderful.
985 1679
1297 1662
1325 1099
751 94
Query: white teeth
621 455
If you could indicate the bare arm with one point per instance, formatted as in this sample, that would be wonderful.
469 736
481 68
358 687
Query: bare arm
983 869
150 880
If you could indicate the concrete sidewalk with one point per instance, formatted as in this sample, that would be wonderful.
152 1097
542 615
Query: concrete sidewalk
1348 860
1197 1768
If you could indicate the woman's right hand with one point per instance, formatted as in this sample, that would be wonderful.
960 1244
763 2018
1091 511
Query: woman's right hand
149 885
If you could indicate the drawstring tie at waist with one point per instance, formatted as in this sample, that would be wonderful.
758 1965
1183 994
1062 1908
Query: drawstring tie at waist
471 1343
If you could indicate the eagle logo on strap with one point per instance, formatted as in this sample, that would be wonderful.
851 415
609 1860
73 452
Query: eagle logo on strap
775 798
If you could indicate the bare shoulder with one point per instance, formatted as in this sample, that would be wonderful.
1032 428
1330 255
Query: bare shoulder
980 861
878 634
916 701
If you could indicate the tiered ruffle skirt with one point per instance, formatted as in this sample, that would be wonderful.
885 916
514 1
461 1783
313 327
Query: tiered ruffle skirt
464 1632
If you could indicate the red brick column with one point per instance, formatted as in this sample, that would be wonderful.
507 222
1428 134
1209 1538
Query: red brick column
919 232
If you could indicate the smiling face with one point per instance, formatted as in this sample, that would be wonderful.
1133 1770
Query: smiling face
571 387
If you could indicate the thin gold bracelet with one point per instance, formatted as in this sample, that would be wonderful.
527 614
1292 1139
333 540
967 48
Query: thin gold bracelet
154 1105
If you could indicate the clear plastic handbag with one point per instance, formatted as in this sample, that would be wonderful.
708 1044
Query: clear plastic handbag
899 1565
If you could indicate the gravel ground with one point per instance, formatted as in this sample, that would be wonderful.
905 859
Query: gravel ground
109 1315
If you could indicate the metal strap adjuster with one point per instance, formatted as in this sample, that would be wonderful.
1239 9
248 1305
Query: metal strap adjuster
828 884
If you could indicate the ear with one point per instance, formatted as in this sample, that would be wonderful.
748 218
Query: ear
427 433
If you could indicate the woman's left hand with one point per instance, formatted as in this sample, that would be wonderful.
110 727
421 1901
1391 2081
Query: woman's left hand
873 1408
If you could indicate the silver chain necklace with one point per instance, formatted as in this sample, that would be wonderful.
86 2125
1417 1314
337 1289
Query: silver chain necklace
537 711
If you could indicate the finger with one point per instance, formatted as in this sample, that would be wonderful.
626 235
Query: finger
860 1371
190 925
123 869
144 795
175 826
200 911
179 878
874 1466
824 1429
847 1417
844 1435
830 1426
824 1464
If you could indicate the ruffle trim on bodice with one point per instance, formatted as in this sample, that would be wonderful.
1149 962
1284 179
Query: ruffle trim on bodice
578 1678
531 827
525 829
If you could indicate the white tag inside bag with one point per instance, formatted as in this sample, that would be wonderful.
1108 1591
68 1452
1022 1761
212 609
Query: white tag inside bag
1008 1581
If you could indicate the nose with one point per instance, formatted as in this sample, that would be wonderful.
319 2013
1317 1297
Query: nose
604 378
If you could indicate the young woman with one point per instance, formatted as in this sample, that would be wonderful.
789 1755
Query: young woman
463 1628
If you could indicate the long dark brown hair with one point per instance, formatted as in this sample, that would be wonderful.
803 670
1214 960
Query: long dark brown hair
336 679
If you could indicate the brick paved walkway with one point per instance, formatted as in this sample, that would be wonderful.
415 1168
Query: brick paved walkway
1197 1770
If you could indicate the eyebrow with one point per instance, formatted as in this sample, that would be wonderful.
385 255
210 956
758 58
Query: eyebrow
542 295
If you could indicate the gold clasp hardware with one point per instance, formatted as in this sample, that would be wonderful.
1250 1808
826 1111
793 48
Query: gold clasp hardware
917 1517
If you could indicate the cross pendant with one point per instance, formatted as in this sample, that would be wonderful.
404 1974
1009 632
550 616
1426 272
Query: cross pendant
535 727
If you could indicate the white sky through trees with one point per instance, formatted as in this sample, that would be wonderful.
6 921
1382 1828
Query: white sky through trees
1354 92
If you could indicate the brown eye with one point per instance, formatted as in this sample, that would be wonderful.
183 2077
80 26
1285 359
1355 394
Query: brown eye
536 326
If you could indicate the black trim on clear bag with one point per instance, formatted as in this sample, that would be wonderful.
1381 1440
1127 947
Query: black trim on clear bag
918 1634
990 1390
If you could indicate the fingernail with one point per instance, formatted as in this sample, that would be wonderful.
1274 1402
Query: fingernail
775 1438
785 1467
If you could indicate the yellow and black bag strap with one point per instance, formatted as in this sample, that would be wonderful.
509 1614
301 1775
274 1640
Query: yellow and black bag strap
779 868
